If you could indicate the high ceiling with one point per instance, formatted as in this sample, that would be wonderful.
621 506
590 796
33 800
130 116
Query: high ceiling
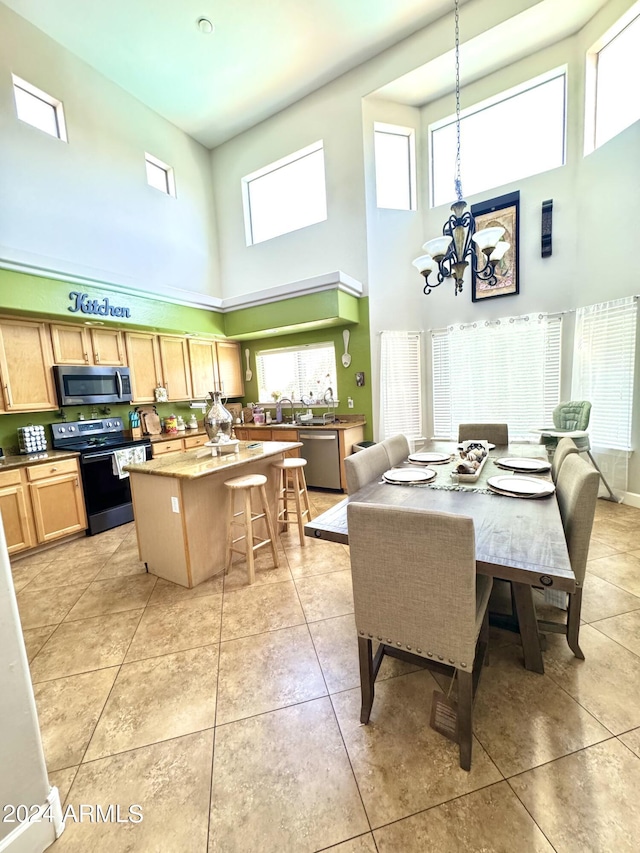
262 56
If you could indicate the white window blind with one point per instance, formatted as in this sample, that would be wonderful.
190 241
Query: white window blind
603 369
400 384
506 371
297 372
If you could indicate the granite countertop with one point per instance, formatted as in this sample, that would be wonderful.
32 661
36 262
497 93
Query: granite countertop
199 463
343 423
25 459
182 433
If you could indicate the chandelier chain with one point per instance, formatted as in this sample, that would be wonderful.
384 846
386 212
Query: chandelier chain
458 179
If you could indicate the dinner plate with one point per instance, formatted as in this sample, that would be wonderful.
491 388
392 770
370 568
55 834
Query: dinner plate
398 476
489 445
521 487
521 464
430 456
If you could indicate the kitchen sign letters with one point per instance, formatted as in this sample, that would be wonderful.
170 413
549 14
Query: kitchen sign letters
104 308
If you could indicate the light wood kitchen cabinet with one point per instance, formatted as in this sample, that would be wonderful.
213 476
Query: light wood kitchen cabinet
16 512
204 367
229 368
178 445
79 345
56 497
144 365
26 359
176 374
286 435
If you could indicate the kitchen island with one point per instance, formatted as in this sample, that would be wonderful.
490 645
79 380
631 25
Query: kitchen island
180 507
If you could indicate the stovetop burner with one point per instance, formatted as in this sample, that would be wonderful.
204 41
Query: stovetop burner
92 435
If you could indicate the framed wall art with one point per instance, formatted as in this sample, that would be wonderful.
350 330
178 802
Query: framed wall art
503 210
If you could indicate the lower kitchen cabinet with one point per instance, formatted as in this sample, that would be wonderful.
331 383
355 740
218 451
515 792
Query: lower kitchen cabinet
41 503
177 445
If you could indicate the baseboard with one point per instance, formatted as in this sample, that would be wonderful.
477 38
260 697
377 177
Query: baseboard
39 832
631 499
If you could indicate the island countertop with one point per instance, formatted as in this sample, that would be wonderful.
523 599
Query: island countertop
197 463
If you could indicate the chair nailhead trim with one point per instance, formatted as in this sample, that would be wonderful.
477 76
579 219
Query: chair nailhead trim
440 657
362 632
399 645
370 636
389 640
408 648
419 651
451 660
463 664
379 639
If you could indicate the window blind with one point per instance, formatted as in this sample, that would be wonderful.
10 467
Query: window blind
603 369
400 384
506 371
297 372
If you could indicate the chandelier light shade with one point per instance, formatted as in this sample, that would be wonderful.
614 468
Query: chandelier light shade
449 256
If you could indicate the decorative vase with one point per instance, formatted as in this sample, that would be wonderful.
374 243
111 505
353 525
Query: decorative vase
218 421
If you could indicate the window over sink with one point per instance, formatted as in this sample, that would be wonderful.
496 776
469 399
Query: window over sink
302 374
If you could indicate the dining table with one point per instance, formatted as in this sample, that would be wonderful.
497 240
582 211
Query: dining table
517 539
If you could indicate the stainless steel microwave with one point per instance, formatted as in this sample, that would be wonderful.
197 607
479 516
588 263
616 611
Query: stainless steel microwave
81 385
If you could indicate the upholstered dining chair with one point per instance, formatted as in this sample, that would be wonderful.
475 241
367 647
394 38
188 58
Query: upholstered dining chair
564 448
416 593
364 466
397 448
495 433
577 490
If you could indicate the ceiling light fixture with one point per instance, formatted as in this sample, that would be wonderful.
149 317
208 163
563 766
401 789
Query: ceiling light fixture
205 26
460 244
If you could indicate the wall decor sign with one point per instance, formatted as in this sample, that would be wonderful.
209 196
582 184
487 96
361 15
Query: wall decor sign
504 211
101 307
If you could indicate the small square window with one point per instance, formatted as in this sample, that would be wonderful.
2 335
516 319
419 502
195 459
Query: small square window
395 166
160 175
38 109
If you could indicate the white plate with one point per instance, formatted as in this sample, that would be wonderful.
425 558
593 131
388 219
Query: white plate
408 475
521 464
524 487
489 445
430 456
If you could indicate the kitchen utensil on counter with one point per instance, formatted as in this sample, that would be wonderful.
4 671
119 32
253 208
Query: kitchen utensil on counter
346 358
193 422
171 424
248 375
150 420
31 439
218 421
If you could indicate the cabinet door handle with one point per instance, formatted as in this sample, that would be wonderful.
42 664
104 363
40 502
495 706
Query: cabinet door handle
97 357
53 469
86 357
8 396
77 483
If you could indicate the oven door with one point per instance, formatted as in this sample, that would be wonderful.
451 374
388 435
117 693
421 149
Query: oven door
89 385
107 497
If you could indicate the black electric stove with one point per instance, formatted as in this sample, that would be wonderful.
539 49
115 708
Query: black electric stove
107 496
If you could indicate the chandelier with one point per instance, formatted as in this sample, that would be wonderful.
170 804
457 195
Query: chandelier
461 244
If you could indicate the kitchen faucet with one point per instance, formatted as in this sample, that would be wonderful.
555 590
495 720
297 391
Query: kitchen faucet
293 411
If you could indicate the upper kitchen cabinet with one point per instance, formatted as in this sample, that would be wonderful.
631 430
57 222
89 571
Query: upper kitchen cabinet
144 364
26 359
79 345
176 376
229 368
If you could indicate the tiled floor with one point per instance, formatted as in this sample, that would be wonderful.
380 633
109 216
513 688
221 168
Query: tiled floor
230 713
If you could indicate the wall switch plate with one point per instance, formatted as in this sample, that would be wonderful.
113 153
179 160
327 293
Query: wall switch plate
175 506
350 402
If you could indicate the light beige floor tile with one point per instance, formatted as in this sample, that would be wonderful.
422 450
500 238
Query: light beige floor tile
85 548
601 599
35 638
282 781
177 627
586 802
401 764
361 844
85 645
113 596
260 608
632 740
23 575
45 607
324 596
492 819
31 561
62 780
170 781
166 592
265 571
157 699
66 573
124 561
68 710
623 570
267 671
524 719
607 683
316 558
618 537
598 549
336 644
624 629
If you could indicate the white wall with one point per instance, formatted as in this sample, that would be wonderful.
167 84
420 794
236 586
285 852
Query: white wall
85 207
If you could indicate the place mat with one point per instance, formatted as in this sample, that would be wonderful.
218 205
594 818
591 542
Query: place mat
430 457
521 487
408 476
523 464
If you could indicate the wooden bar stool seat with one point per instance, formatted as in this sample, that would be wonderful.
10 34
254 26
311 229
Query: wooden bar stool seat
292 485
245 518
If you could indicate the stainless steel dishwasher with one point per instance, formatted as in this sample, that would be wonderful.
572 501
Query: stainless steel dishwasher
321 450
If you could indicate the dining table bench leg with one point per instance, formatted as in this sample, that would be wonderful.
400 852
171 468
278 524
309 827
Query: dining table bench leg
528 623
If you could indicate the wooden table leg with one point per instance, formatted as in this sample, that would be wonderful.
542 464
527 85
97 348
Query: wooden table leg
526 611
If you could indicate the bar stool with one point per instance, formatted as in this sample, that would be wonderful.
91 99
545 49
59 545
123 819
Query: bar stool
292 484
246 517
